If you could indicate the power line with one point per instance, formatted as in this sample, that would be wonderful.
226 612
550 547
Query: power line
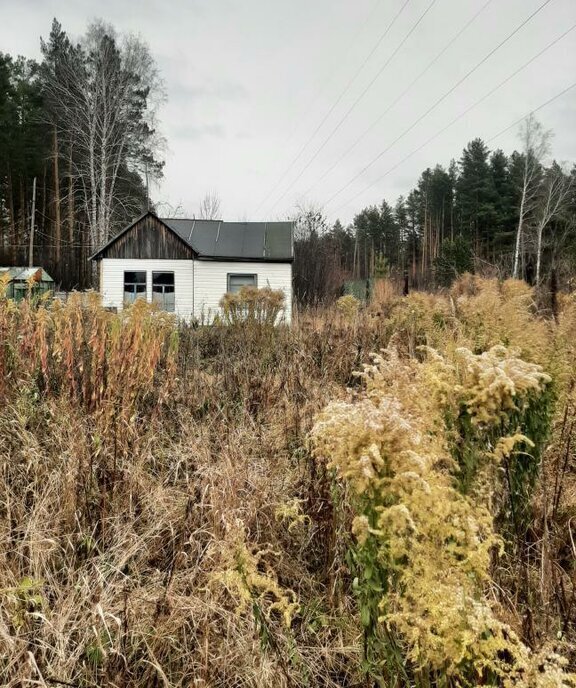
399 98
466 111
355 103
517 122
440 100
335 104
326 80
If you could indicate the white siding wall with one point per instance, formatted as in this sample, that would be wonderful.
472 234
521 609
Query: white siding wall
112 280
211 279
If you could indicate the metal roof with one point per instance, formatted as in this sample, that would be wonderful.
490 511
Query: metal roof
216 239
24 273
236 240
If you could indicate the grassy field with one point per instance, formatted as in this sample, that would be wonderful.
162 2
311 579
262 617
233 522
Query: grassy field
249 505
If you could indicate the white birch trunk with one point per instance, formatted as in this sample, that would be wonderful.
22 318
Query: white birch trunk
519 234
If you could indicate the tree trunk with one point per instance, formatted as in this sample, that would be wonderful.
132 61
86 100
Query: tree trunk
424 257
519 235
70 203
94 240
441 241
12 220
539 251
57 226
43 218
23 224
70 260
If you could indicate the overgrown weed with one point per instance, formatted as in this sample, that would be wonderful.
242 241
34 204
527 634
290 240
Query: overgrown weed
163 522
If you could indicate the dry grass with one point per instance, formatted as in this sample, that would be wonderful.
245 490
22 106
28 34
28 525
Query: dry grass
160 510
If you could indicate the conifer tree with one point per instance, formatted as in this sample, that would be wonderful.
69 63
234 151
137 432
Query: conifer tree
475 196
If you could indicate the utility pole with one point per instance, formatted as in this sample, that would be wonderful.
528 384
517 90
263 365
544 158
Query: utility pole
31 247
147 189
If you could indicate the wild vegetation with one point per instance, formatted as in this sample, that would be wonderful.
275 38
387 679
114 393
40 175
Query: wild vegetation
380 495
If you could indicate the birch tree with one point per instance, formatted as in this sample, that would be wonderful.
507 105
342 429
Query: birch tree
535 146
555 196
104 90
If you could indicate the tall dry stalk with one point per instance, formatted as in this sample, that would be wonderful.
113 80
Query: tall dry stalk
160 510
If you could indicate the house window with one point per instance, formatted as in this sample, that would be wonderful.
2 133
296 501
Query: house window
237 281
134 286
163 290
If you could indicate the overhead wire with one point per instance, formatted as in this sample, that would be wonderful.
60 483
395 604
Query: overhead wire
335 104
355 103
441 99
537 109
327 79
465 112
399 98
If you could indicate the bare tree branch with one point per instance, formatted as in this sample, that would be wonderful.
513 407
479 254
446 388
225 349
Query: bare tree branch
209 208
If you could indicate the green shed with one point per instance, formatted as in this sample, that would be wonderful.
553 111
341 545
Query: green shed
19 280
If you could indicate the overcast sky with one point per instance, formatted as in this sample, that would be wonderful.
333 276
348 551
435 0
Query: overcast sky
255 89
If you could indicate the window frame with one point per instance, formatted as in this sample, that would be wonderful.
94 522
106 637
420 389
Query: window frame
230 275
163 292
136 295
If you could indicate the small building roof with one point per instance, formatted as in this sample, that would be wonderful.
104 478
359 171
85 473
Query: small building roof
219 240
21 274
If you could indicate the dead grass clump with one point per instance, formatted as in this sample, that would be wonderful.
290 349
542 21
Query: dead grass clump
131 453
421 319
505 313
161 519
252 305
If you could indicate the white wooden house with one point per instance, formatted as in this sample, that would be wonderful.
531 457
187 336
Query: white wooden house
186 266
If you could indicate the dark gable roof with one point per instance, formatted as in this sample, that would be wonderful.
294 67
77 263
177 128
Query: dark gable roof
215 239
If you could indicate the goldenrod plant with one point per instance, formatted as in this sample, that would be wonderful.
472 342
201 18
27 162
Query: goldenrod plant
423 553
252 582
348 306
164 522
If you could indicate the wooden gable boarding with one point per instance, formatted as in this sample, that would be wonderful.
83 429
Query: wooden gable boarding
148 237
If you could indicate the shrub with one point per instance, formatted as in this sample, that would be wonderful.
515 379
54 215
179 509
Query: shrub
163 521
348 305
253 305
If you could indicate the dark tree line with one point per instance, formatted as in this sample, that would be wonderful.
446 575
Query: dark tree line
487 211
80 122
